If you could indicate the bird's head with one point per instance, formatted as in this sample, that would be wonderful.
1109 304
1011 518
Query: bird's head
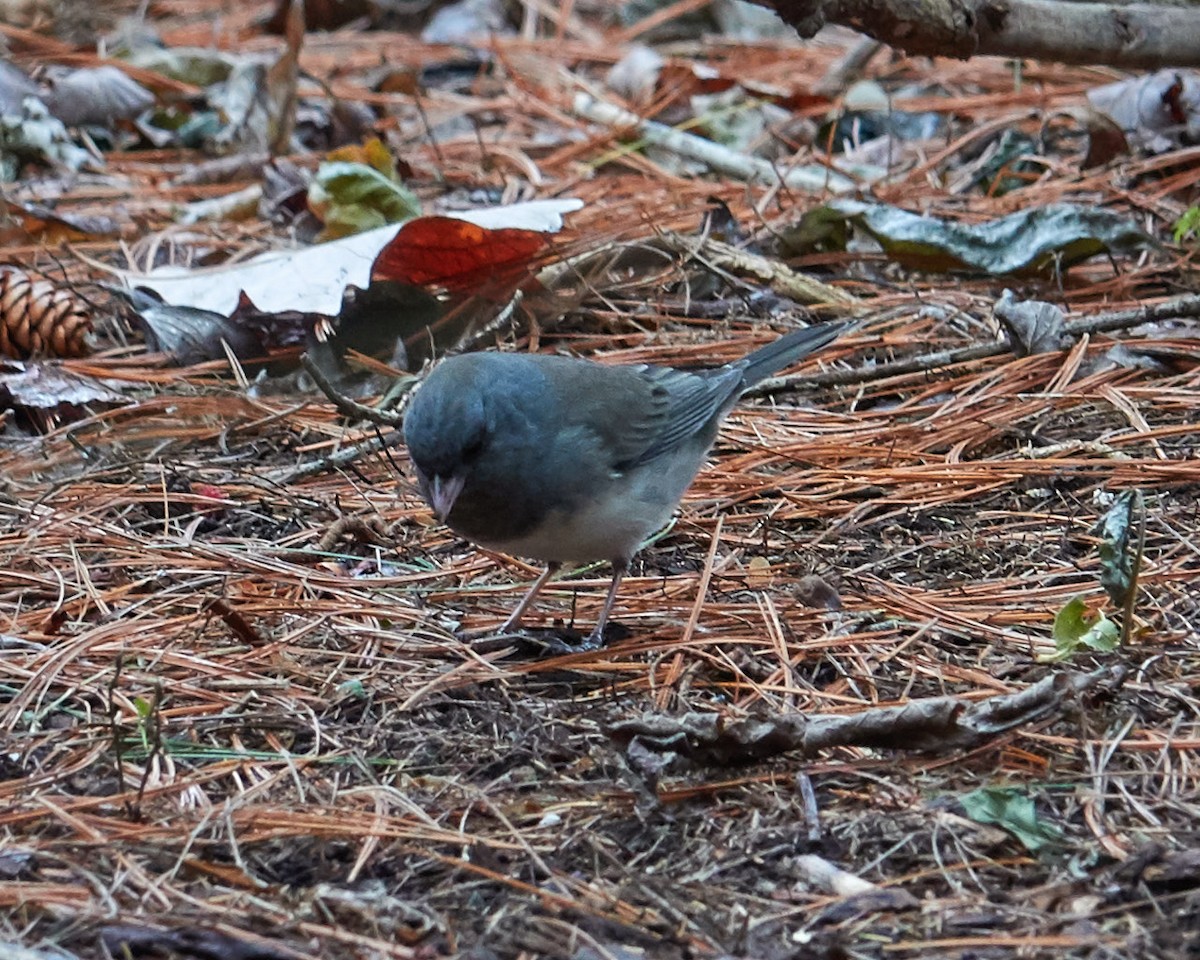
446 430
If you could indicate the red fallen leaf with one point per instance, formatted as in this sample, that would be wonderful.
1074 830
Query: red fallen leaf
1171 98
692 79
803 103
458 256
320 14
209 490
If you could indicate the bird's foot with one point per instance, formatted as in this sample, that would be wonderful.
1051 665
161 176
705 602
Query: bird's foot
489 641
560 644
543 640
569 641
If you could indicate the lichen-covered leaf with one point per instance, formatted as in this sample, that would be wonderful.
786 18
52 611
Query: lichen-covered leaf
1038 240
1118 556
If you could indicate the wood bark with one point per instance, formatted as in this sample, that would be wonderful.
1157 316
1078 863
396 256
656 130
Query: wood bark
1136 35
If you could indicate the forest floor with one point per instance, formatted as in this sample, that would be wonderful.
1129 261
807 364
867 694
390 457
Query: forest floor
243 714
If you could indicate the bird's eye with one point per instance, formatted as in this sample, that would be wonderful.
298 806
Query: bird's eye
473 449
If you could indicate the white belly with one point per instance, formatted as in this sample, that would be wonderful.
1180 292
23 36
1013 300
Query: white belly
611 530
612 525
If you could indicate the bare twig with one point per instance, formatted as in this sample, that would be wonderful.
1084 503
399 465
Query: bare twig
1180 308
778 276
722 159
847 68
345 406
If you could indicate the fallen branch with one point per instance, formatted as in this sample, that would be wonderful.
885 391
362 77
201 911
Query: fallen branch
936 724
811 178
779 277
1130 35
1179 308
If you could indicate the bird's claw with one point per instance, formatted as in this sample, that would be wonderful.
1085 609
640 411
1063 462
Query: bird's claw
556 644
554 641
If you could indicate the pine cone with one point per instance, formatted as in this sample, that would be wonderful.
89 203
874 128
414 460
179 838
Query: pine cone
40 318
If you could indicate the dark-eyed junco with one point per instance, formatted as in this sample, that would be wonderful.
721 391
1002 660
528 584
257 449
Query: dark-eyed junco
559 459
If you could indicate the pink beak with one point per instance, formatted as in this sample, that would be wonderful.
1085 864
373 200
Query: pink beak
443 491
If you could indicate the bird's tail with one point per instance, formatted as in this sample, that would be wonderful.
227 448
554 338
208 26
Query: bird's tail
785 351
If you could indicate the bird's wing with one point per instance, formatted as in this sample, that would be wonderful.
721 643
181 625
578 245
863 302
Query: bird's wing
680 405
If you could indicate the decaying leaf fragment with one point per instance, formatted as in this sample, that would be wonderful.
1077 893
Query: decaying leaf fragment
189 334
33 136
1034 326
352 197
1157 112
95 96
44 395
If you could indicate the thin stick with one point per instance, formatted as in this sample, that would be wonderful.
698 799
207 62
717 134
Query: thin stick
1182 307
705 579
345 406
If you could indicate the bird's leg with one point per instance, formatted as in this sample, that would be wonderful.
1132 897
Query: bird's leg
515 618
595 639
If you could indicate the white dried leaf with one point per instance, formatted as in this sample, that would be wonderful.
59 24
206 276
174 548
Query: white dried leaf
96 96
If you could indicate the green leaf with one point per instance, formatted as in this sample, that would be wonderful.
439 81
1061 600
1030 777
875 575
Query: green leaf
353 197
1076 627
1187 227
1011 810
1118 562
143 707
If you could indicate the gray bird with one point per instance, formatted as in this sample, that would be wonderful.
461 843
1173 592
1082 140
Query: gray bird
559 459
